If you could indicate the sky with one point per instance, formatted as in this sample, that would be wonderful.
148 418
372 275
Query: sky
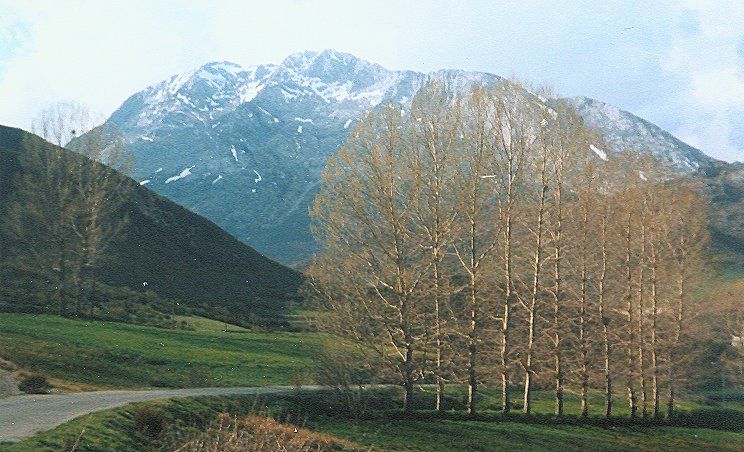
678 64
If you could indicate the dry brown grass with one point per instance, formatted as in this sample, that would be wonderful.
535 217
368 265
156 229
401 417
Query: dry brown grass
257 433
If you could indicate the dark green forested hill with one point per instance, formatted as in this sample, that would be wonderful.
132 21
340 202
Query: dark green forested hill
168 249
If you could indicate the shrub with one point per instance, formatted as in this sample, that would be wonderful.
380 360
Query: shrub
197 378
714 418
347 370
149 422
158 382
34 384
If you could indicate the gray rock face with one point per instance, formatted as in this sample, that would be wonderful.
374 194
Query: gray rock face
623 130
246 147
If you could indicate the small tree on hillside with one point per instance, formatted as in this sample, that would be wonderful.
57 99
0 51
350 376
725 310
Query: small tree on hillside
66 206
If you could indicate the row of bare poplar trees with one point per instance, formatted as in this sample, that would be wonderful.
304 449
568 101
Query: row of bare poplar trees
64 212
485 237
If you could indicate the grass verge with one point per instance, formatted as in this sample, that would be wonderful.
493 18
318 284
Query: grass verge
118 355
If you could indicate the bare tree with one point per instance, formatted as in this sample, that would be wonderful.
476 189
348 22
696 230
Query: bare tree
605 250
40 218
628 216
538 232
373 264
587 198
477 237
686 237
563 159
433 142
64 213
513 135
99 195
730 311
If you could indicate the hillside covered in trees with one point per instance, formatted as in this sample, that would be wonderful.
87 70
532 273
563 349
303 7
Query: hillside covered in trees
70 223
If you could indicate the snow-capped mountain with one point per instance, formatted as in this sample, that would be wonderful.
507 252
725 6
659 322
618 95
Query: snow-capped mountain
246 147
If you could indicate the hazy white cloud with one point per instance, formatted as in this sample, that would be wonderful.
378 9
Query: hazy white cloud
707 48
677 64
97 53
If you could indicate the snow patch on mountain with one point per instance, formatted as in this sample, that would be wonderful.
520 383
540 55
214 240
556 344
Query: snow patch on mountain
185 173
602 154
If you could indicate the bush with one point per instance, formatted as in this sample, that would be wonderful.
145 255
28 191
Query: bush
713 418
158 382
347 370
34 384
149 422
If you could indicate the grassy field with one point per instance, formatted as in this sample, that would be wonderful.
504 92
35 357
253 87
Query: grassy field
205 325
114 429
456 435
124 355
129 356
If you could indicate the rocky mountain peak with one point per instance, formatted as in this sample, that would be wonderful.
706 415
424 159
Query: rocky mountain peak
246 146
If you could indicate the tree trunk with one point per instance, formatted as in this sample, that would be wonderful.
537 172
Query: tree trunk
438 333
607 373
528 371
631 320
472 344
91 301
408 380
605 320
641 323
584 353
583 321
679 322
506 316
654 315
472 378
505 396
558 297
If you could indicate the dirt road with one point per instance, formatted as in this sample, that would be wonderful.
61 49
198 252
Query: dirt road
22 416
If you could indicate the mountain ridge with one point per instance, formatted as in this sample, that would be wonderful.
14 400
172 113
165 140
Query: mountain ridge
246 147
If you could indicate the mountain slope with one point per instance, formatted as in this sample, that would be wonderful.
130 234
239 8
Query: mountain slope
724 186
246 147
623 130
174 252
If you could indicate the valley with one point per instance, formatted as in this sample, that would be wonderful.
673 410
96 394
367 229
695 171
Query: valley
253 247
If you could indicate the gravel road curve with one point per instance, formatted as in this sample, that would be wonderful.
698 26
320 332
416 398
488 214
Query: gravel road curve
24 415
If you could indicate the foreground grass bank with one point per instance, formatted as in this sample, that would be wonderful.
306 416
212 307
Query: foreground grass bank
378 429
118 355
